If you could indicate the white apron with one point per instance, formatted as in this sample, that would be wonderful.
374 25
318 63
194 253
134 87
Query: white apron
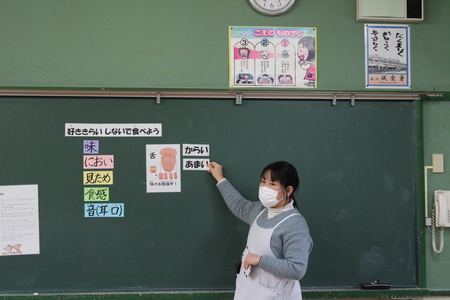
260 284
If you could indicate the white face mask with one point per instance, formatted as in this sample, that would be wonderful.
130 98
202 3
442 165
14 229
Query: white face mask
268 197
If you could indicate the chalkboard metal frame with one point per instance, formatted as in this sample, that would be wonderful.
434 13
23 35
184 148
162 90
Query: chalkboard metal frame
421 243
213 94
227 295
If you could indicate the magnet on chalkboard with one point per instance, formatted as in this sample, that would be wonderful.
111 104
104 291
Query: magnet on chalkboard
376 285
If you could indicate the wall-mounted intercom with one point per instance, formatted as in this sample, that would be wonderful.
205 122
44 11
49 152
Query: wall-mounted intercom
442 208
440 215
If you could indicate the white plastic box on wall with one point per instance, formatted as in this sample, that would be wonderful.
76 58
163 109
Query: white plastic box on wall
389 10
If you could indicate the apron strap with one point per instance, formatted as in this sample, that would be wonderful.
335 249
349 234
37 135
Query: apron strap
259 214
291 215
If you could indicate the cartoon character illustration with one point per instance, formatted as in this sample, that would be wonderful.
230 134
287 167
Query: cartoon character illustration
264 54
12 249
244 53
265 79
17 248
288 79
284 79
306 52
244 78
8 249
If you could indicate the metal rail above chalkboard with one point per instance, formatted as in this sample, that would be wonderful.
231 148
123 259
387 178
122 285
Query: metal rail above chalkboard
238 95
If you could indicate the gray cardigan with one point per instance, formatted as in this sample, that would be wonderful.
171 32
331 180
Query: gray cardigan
290 242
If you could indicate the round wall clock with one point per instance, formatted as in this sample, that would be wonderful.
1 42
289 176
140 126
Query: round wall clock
272 7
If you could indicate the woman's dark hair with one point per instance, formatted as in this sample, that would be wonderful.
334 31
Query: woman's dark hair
285 174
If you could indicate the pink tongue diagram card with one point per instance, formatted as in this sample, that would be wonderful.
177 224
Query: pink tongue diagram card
166 162
163 168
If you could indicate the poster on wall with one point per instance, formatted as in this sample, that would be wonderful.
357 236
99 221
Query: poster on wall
19 220
276 57
163 168
387 56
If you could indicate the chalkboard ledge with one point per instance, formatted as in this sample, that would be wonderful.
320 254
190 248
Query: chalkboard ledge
228 295
359 293
439 292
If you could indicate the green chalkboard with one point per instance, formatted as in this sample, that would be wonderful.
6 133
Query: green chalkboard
357 166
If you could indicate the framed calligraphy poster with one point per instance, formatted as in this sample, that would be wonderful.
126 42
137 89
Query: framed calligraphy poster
272 57
387 56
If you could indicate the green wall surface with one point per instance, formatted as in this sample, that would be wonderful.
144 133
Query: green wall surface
437 141
184 45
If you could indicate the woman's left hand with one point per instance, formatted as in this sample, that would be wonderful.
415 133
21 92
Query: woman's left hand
251 260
